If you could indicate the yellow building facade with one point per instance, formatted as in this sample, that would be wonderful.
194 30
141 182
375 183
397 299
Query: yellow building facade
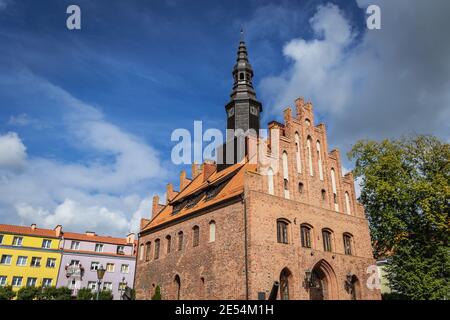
29 256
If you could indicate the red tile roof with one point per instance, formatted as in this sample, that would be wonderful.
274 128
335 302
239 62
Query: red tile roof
95 238
233 185
22 230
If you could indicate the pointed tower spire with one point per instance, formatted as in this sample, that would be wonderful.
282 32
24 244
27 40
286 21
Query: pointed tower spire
243 111
242 73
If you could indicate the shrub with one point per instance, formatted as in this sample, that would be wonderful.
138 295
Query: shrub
63 293
85 294
105 295
7 293
157 295
27 293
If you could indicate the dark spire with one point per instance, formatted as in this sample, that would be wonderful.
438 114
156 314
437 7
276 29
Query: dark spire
242 74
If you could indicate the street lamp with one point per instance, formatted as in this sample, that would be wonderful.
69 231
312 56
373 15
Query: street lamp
100 274
308 279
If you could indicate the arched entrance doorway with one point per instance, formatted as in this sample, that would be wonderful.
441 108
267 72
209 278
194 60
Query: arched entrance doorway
323 285
285 283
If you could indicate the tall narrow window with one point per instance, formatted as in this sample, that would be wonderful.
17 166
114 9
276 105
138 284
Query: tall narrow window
178 286
300 187
333 185
348 210
309 151
282 231
326 238
305 232
141 251
285 175
147 250
168 243
157 245
319 160
180 240
196 236
297 152
348 244
212 231
270 181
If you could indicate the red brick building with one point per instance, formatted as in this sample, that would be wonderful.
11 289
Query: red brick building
232 231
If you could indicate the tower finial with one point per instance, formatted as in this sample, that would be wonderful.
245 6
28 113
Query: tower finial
242 34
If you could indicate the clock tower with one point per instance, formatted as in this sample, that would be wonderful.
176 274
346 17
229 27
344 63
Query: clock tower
243 112
244 109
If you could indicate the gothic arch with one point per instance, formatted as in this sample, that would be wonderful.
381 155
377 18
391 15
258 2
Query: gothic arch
286 284
325 283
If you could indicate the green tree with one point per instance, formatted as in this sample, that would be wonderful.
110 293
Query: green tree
63 293
105 295
157 295
85 294
406 194
7 293
27 293
48 293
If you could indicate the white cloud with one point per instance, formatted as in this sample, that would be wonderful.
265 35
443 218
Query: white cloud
74 215
23 120
102 194
12 152
385 83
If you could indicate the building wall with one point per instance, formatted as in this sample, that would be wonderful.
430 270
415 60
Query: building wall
221 263
31 247
307 205
267 257
90 275
86 255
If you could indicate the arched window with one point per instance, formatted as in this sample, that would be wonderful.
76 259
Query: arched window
319 160
241 76
300 187
348 209
284 284
141 251
307 122
270 181
180 240
309 151
348 244
157 244
177 281
212 231
305 233
286 175
297 152
169 243
326 238
196 234
148 248
333 185
282 231
324 194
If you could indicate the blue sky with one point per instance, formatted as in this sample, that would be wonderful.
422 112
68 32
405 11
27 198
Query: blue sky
86 116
